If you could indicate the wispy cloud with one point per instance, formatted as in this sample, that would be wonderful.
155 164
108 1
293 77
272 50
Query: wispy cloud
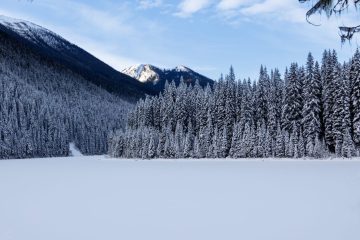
147 4
280 9
237 10
226 5
189 7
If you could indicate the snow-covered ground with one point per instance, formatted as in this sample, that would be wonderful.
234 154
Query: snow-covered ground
74 151
98 198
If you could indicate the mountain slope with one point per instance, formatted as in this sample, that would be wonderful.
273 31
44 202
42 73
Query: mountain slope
57 49
45 105
156 78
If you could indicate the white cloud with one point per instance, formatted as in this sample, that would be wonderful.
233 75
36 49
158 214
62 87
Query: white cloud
280 9
189 7
147 4
267 6
226 5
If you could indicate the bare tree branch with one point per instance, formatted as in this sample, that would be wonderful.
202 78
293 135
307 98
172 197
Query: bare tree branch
331 7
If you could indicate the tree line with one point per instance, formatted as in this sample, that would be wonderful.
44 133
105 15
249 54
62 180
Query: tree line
313 111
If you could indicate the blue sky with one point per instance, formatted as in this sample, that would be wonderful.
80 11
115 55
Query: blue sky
205 35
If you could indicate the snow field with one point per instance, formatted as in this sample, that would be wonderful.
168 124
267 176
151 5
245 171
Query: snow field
102 198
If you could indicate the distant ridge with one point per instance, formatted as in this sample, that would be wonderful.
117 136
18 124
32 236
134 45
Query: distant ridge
156 77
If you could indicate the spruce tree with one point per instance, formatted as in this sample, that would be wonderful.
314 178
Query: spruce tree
280 143
339 111
347 148
230 107
152 147
329 75
262 96
312 108
216 143
355 96
236 142
188 146
224 143
292 111
246 106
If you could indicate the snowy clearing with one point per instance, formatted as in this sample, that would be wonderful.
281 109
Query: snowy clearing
97 198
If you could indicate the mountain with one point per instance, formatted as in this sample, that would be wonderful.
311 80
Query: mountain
145 73
55 48
156 78
50 99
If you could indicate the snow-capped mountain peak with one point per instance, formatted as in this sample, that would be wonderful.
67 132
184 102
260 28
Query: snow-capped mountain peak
143 73
17 23
147 73
33 32
182 68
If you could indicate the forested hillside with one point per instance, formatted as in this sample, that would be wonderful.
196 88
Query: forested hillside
44 106
314 111
50 45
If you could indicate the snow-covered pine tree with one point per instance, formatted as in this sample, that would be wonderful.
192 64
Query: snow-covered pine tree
320 149
170 151
179 140
355 96
188 145
292 111
308 96
224 143
262 96
339 111
152 145
209 136
169 147
236 142
252 145
278 92
216 141
275 103
312 107
280 143
261 144
246 106
269 144
347 147
301 145
220 102
238 100
346 92
246 144
196 151
329 77
160 150
230 107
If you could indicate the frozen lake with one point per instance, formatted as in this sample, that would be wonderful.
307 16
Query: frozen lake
97 198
